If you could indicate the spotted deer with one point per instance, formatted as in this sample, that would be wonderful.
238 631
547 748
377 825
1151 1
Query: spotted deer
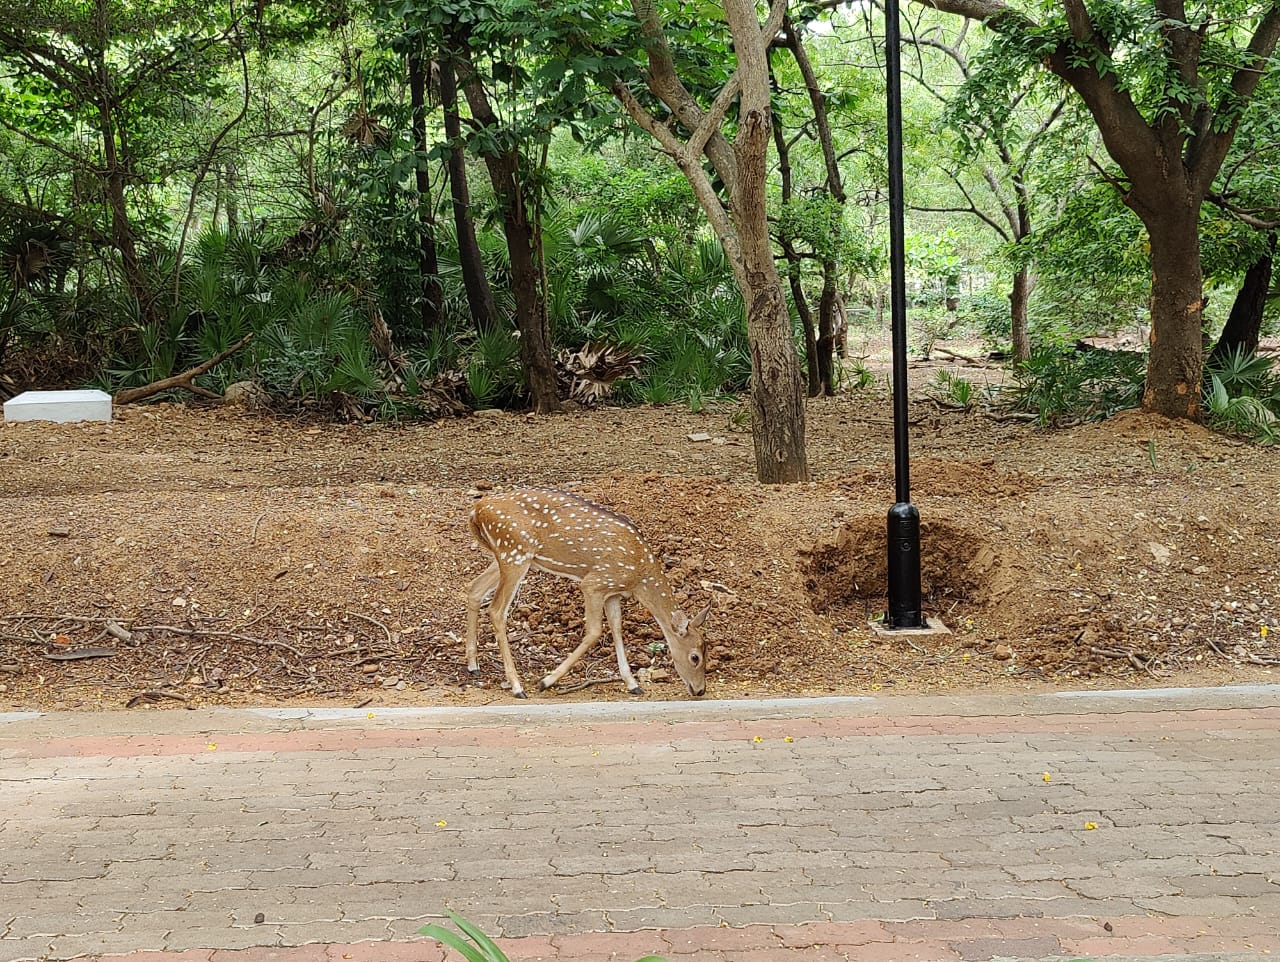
571 537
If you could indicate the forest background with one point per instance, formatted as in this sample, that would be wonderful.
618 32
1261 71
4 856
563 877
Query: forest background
410 208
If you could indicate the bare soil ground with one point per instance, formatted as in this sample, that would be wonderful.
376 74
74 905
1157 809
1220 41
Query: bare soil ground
241 559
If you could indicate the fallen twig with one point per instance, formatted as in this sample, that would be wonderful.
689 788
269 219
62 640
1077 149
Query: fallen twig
114 629
578 686
120 634
210 633
372 621
977 362
154 695
183 380
76 654
1137 659
1248 656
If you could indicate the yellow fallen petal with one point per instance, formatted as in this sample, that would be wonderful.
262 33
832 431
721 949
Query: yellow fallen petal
212 747
370 714
788 739
1090 826
757 739
441 824
1047 777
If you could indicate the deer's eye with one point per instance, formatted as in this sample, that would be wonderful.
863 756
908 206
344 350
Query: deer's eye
695 659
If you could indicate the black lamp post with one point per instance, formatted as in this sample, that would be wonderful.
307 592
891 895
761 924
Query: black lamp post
904 519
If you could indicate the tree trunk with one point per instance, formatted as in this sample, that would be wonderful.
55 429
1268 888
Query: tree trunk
232 199
777 402
531 315
813 382
812 377
1244 324
841 333
777 395
1018 298
479 295
430 291
122 235
827 329
777 398
1176 363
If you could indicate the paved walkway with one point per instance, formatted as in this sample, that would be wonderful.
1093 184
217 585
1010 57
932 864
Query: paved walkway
1127 826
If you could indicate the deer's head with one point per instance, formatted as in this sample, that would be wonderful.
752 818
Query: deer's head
686 644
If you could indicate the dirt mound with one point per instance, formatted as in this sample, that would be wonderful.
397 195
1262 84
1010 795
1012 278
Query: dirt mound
847 575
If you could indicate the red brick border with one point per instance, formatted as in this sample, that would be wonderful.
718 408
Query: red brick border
871 941
640 732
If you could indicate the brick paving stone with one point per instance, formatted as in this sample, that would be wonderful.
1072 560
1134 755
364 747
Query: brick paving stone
297 953
813 953
908 952
150 955
791 913
832 933
32 947
693 916
979 950
1235 886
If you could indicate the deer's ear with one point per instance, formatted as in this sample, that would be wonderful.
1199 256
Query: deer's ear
679 622
700 618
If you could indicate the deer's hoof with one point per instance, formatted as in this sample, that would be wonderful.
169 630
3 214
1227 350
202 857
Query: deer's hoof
635 691
521 694
543 685
473 672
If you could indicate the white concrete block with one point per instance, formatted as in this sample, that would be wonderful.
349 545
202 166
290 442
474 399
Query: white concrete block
61 406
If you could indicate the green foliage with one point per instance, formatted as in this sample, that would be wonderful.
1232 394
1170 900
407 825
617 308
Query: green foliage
1243 397
857 376
492 365
936 259
932 324
318 349
816 223
987 311
1243 372
626 184
954 389
704 358
1067 387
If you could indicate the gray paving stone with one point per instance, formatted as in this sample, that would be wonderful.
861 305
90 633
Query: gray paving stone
20 950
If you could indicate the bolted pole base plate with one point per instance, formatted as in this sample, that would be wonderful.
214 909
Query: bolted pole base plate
932 627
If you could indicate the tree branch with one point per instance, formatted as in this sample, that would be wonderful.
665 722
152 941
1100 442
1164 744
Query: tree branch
57 148
1239 213
1208 149
207 161
183 380
1129 139
688 163
817 101
665 84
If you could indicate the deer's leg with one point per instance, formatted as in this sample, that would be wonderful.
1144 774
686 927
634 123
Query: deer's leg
592 622
613 611
480 589
509 578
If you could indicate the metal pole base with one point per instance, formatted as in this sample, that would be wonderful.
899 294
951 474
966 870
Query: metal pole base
904 568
